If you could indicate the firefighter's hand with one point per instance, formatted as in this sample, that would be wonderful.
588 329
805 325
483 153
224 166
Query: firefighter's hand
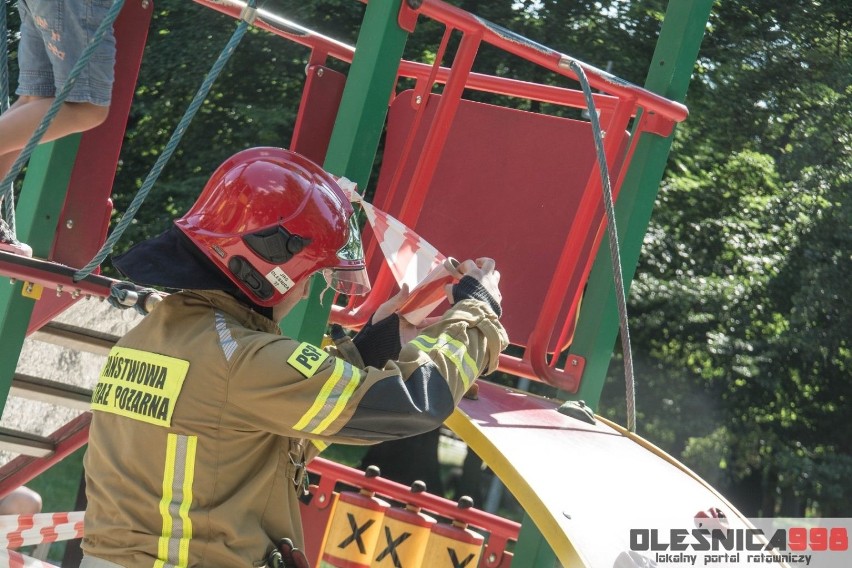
384 335
391 305
480 280
407 331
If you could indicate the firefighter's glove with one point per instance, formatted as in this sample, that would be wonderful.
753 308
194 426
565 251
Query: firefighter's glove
480 281
382 338
290 556
379 341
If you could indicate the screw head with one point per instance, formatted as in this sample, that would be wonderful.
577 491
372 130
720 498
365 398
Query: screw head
373 471
466 502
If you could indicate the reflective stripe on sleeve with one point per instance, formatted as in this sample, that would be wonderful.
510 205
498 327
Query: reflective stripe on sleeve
173 546
226 340
455 350
332 399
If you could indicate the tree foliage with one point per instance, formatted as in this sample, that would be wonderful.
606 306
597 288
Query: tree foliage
739 290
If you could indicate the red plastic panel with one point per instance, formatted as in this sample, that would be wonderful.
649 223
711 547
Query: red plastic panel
317 112
508 186
85 217
87 204
315 518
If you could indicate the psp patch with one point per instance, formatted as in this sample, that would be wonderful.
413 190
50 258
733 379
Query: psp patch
307 359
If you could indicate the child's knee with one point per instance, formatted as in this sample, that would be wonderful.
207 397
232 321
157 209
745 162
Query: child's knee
21 501
25 100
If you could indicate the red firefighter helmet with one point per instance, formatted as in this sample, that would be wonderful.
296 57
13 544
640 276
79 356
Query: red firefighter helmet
269 218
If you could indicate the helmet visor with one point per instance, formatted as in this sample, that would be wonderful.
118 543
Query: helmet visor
349 282
350 276
352 252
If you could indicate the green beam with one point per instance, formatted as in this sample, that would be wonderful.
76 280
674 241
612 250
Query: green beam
355 138
671 69
532 551
37 214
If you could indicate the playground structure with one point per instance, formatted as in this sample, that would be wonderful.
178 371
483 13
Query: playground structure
561 314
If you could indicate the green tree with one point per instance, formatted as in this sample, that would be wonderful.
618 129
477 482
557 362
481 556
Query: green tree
738 299
253 103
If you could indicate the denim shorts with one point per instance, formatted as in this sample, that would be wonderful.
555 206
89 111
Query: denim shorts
53 35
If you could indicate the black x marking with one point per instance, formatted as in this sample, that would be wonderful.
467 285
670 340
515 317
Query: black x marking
455 559
356 533
391 547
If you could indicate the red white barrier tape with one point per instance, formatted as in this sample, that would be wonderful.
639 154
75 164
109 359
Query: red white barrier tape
412 260
26 530
18 560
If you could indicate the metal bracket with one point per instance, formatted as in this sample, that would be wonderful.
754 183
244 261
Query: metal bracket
249 14
657 124
407 19
568 378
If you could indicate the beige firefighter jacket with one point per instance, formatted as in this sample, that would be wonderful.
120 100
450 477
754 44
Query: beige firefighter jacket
204 416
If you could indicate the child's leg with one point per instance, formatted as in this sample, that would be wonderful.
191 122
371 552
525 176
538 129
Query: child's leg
53 36
18 123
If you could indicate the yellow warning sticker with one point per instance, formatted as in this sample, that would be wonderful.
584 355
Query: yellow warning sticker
307 359
140 385
32 290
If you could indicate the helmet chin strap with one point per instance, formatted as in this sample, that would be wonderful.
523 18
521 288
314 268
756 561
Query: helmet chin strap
328 287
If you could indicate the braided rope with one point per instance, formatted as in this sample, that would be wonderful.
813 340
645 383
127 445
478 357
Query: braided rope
85 56
614 251
8 204
172 144
4 59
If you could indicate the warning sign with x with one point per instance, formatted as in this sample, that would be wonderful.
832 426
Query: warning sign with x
390 549
356 533
455 559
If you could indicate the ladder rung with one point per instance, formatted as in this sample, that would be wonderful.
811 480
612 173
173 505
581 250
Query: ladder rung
77 338
53 392
25 443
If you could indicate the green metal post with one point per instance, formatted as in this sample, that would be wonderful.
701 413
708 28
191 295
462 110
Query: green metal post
532 551
355 138
671 69
37 214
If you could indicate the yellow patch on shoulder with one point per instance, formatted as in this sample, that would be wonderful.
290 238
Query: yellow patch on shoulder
307 359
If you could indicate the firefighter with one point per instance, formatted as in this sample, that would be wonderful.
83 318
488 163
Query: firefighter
204 415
